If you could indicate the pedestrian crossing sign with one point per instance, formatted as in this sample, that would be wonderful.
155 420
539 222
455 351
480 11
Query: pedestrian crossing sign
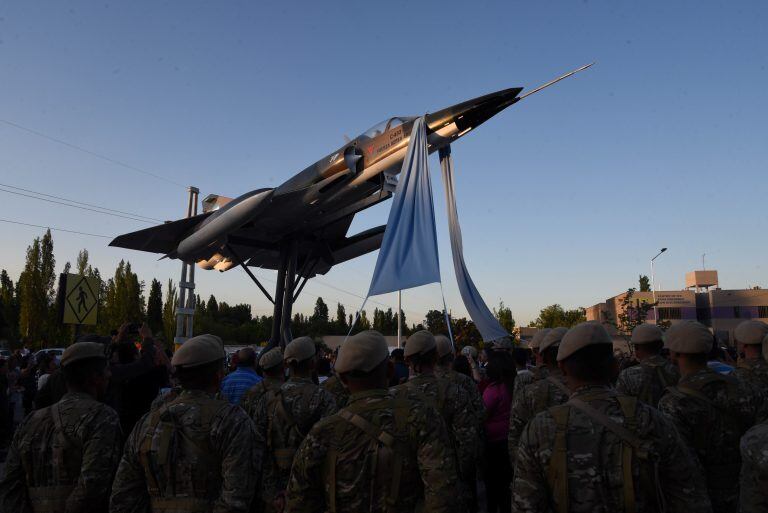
81 299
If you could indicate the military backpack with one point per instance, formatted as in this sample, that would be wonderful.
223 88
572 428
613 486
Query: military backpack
182 469
388 453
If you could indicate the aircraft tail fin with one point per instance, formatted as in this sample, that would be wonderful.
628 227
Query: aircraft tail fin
162 238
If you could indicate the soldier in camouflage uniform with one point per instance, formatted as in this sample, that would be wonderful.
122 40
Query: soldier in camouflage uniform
193 454
386 452
752 367
444 370
710 410
271 364
448 398
539 395
540 371
337 389
649 380
753 496
63 457
284 420
602 452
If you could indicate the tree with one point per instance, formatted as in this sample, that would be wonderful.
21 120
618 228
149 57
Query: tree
83 269
320 314
124 297
341 319
32 294
645 283
554 316
465 332
169 313
9 308
504 316
363 323
213 307
435 322
631 313
155 307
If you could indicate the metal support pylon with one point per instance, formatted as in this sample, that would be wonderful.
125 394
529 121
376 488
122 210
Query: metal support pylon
185 310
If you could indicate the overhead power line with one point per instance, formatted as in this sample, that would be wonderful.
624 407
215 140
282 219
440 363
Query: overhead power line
55 229
75 206
80 202
91 153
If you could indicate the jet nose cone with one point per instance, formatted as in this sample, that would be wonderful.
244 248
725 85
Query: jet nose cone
472 113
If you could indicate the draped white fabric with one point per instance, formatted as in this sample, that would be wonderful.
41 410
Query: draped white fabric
408 256
486 322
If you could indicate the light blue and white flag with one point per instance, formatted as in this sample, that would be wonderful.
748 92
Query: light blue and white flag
408 256
486 322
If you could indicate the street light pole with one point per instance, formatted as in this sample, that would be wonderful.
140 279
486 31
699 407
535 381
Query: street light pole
653 287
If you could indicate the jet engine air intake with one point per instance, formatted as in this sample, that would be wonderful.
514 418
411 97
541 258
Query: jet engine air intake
353 158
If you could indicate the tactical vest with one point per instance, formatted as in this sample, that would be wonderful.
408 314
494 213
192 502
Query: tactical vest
653 371
165 454
284 434
385 471
632 447
66 455
717 473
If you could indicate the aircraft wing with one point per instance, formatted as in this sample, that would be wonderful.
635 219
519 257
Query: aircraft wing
159 239
318 257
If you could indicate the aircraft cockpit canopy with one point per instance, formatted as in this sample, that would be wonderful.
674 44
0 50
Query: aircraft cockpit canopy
380 128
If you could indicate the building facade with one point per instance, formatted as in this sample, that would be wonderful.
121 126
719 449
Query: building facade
720 310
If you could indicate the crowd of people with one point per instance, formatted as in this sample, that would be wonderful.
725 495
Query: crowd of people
559 426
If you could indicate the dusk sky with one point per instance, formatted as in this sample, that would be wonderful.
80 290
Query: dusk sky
563 198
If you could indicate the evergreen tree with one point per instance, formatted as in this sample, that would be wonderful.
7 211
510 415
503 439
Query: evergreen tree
320 314
341 319
169 313
363 323
213 307
155 307
9 310
32 311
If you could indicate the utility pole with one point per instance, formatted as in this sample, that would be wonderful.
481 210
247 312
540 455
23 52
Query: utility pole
653 287
185 310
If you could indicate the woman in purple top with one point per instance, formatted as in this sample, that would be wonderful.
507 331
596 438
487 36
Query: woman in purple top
497 398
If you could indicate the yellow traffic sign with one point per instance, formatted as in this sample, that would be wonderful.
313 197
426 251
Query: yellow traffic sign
81 299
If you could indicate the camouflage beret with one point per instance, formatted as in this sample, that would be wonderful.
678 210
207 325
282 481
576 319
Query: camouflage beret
751 333
470 351
82 351
362 352
553 338
689 337
580 336
300 349
419 343
198 351
646 333
538 337
444 346
271 358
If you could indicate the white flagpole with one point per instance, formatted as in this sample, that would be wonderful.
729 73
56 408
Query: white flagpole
399 320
